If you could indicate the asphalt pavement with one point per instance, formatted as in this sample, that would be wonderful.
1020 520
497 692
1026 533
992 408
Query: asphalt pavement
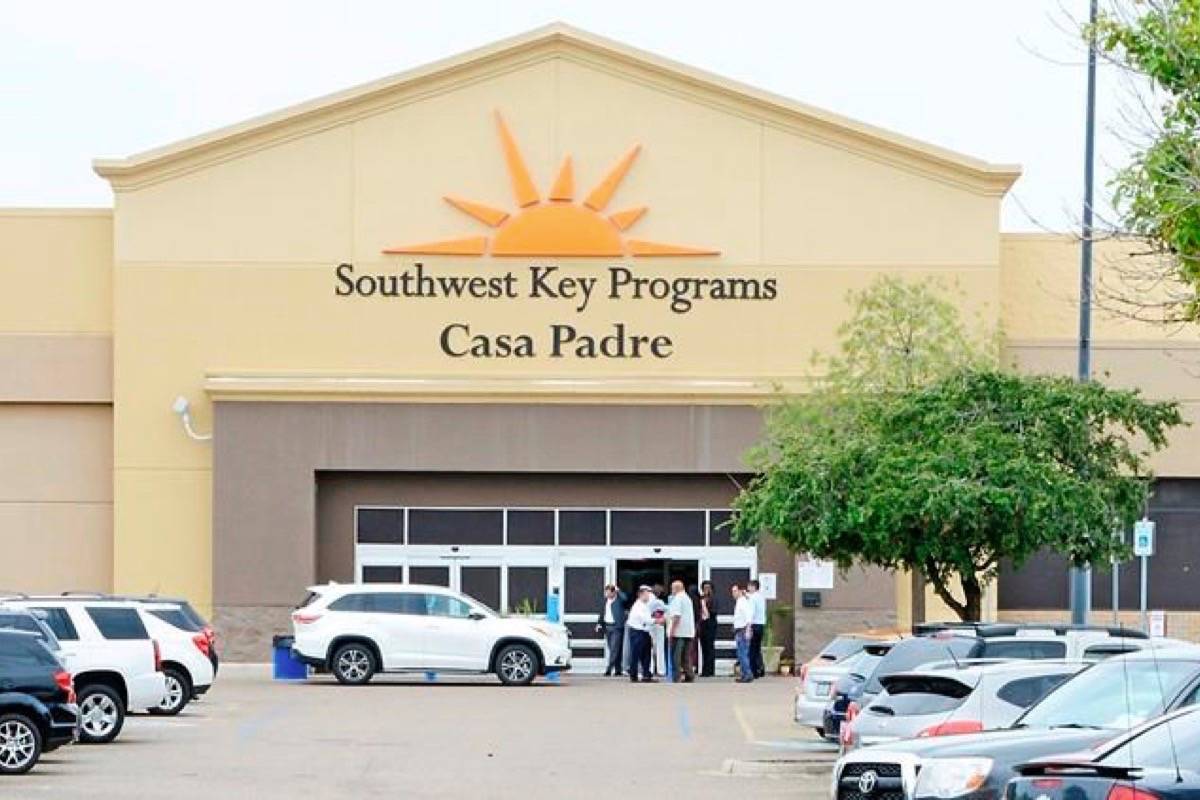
584 737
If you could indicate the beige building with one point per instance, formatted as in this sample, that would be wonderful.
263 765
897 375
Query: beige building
505 322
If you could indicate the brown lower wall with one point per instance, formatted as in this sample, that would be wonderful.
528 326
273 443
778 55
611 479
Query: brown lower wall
267 459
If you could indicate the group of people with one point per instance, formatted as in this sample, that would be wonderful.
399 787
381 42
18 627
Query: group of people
639 636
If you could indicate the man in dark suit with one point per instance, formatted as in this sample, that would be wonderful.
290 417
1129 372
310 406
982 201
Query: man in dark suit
612 622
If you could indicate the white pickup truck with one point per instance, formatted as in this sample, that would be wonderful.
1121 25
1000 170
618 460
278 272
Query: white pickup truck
115 665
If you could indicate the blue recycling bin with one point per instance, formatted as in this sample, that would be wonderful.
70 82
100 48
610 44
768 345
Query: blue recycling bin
286 667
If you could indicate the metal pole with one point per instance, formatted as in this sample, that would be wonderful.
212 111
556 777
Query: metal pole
1145 576
1116 592
1081 583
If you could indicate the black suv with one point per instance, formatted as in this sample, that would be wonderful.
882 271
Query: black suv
37 702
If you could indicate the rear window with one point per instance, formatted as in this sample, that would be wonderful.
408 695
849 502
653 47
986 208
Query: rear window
1024 692
1098 652
915 704
118 623
24 651
841 647
193 616
1019 648
177 618
59 621
20 622
912 653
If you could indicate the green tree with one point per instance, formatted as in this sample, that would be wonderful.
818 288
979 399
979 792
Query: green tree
1157 195
901 334
955 475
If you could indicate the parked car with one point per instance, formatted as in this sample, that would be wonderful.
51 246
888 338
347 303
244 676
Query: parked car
818 681
357 630
22 619
37 702
115 664
1099 703
955 697
856 690
186 618
1157 759
975 640
187 663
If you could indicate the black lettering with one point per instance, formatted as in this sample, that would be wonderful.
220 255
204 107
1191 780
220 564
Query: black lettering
618 277
560 335
538 286
446 333
345 282
661 346
769 292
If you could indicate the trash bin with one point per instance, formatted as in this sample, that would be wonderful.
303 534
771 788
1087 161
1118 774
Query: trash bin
286 666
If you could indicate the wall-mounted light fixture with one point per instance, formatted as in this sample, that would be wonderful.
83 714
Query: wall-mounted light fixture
183 409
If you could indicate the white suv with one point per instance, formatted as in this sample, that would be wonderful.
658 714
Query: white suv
356 630
186 654
114 663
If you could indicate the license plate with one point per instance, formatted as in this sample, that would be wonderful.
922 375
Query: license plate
823 689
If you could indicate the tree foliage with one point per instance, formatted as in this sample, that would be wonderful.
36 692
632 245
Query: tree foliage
952 476
1158 193
901 334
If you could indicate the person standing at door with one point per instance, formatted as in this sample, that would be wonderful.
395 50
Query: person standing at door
681 630
612 623
743 632
708 630
639 622
759 624
658 634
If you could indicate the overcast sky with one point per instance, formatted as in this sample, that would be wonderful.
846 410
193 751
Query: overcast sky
1003 81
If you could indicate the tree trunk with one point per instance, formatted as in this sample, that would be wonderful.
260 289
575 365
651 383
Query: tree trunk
970 609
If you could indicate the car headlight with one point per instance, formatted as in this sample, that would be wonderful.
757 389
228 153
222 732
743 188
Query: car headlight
951 777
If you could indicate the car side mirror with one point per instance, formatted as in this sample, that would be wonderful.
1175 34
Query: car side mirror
477 615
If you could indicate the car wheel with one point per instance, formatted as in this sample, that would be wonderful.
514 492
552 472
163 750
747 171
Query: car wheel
516 665
353 664
101 714
179 693
20 744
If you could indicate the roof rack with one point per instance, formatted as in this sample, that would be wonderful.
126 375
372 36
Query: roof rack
993 629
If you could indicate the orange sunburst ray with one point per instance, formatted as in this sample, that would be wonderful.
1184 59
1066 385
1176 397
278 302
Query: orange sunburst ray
467 246
640 247
523 188
624 220
563 189
484 213
604 190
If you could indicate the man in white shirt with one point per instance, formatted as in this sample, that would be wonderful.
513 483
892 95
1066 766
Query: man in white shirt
758 622
682 631
640 622
658 633
743 615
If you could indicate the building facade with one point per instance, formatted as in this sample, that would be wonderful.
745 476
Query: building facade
507 323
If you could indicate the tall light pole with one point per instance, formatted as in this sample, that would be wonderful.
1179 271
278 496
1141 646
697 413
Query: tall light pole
1081 577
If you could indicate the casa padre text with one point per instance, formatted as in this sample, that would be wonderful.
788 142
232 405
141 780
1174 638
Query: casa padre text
567 286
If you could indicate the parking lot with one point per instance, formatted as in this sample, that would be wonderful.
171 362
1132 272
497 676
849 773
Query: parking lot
583 737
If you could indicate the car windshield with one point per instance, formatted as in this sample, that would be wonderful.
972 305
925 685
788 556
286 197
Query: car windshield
912 653
864 665
1113 694
1162 746
841 647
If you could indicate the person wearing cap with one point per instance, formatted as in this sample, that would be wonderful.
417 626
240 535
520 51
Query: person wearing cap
743 632
639 622
612 622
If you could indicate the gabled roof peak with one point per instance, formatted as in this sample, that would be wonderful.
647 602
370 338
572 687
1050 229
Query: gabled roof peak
556 39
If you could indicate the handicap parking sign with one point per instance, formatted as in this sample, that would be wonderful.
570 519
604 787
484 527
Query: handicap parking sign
1143 538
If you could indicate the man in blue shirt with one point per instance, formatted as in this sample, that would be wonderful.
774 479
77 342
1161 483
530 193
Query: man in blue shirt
758 624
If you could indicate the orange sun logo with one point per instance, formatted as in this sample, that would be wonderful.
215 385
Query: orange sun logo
557 226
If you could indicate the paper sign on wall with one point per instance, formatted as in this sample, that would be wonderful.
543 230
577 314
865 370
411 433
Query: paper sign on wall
814 573
766 584
1158 623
